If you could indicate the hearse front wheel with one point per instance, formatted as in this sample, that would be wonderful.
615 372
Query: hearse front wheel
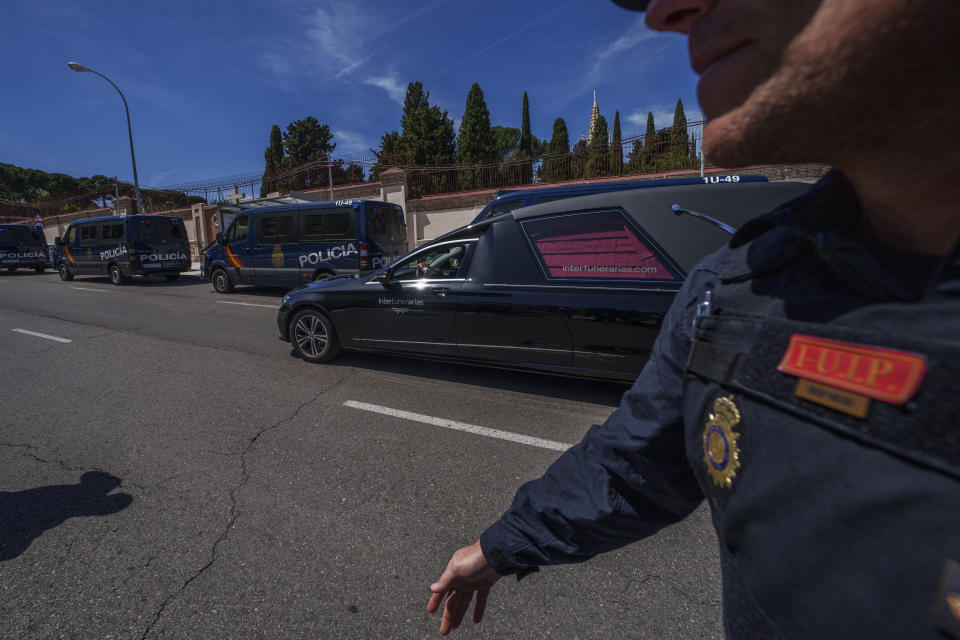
313 336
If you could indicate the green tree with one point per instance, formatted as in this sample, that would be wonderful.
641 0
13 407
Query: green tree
679 142
475 142
556 162
525 148
598 155
578 159
307 141
505 141
273 161
392 153
616 147
427 136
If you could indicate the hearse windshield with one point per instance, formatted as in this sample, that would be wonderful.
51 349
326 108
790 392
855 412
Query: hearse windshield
20 235
159 230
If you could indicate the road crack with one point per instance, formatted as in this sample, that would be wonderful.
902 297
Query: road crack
231 522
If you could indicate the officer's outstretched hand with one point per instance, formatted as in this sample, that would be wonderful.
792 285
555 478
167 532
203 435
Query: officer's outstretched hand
466 572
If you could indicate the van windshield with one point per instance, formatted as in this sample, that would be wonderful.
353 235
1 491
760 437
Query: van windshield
159 230
20 235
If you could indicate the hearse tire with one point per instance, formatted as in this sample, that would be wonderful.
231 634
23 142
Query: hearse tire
65 273
221 281
313 337
173 277
116 277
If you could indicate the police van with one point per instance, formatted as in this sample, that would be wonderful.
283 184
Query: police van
289 244
136 245
23 247
508 200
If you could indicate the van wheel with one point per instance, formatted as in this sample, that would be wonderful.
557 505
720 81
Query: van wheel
116 277
221 281
173 277
65 273
313 336
39 269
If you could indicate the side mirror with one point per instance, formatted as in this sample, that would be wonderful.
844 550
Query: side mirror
220 238
58 241
384 278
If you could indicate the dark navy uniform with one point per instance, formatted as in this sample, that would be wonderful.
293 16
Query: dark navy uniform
806 383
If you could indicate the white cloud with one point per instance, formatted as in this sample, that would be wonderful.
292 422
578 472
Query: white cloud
662 117
391 84
349 143
637 34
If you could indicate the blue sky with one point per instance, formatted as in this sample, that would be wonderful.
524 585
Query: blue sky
206 81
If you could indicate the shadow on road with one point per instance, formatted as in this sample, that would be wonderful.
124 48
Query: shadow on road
542 384
24 515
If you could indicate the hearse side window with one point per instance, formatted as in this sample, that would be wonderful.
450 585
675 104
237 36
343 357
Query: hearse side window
111 231
600 245
277 228
238 230
441 262
88 233
328 224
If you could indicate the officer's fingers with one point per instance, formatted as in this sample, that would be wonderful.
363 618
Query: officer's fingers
480 607
435 601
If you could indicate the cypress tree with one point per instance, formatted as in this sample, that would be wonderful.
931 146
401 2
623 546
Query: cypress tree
273 161
598 156
616 147
556 164
475 143
648 156
525 148
679 143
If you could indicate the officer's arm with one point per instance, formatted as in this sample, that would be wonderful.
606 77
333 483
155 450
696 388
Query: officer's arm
628 478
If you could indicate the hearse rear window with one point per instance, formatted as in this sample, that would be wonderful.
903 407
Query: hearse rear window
600 245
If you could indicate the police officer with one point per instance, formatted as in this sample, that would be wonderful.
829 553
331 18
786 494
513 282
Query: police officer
806 378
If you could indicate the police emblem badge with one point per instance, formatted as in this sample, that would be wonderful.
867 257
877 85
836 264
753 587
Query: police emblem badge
721 453
277 256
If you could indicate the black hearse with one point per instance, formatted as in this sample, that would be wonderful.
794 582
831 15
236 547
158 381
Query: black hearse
23 247
121 247
577 286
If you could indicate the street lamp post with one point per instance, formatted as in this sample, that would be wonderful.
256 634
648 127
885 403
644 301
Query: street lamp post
133 159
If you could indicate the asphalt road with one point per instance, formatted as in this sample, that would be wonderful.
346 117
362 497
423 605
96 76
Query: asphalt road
172 471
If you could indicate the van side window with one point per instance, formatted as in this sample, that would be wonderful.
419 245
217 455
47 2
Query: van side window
88 233
277 228
71 235
599 245
238 231
328 224
503 207
111 231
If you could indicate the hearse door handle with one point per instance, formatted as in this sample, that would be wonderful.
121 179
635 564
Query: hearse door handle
441 291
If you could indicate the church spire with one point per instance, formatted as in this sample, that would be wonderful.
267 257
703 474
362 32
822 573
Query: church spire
594 114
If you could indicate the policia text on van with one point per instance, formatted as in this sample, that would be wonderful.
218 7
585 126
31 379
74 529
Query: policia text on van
141 245
287 245
22 247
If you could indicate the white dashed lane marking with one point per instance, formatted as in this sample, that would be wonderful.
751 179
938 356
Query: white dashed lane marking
248 304
41 335
460 426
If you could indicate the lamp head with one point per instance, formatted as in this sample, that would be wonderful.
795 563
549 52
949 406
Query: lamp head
77 67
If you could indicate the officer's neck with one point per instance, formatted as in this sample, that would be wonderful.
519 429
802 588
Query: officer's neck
912 208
